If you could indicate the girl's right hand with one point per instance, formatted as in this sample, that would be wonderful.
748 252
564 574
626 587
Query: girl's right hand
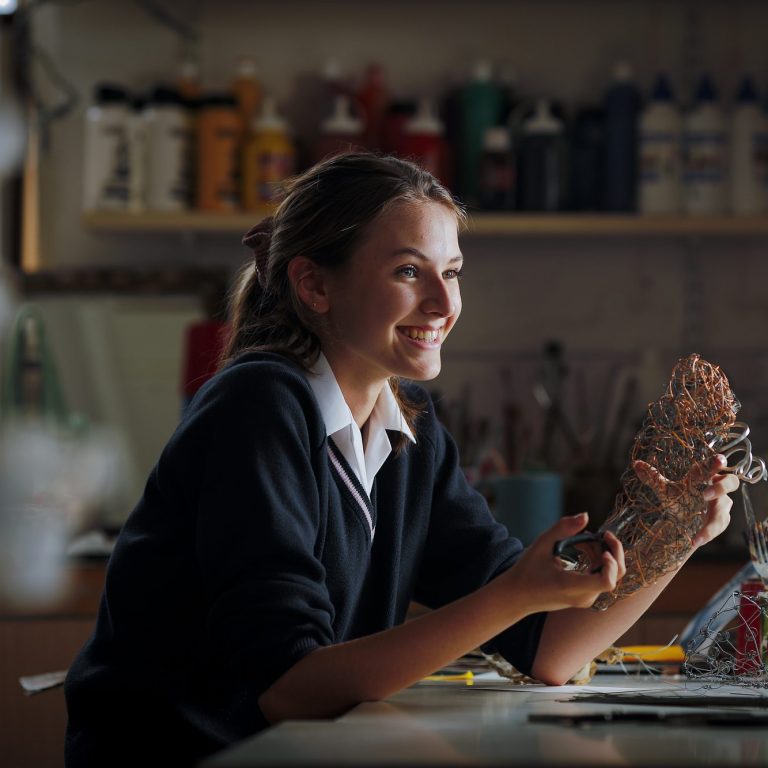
541 580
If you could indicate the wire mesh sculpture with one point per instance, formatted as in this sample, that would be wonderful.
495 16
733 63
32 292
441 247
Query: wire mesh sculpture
656 522
731 648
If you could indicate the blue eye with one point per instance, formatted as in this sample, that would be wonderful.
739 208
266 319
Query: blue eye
455 274
408 271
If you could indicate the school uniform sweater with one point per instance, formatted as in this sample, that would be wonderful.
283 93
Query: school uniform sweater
249 549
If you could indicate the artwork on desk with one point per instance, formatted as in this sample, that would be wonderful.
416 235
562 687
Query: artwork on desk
657 516
732 648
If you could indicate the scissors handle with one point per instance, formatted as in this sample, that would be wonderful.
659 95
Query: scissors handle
579 538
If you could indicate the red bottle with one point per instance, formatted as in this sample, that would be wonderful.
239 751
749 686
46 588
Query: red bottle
373 99
424 142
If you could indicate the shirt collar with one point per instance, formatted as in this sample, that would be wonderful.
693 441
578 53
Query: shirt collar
336 413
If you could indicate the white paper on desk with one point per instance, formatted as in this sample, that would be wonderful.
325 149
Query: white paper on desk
504 684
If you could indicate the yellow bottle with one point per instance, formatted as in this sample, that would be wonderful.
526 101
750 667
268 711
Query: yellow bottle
269 159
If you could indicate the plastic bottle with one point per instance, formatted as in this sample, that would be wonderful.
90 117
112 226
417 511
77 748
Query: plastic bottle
498 185
247 89
660 152
541 161
481 103
621 104
218 152
188 83
106 171
424 142
704 153
340 132
399 113
269 158
373 98
749 153
587 154
168 147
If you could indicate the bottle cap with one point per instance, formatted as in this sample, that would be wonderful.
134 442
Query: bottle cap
622 72
424 121
497 139
246 67
342 121
747 91
542 120
662 91
269 119
482 71
110 93
706 89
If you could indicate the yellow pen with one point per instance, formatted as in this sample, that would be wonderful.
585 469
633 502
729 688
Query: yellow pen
468 676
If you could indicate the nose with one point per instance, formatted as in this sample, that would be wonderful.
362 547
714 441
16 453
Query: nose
442 298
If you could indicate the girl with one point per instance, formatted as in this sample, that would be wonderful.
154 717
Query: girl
310 494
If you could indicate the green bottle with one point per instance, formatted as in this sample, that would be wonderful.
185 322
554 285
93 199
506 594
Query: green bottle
481 106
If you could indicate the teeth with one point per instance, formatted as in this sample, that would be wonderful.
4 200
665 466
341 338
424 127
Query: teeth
422 335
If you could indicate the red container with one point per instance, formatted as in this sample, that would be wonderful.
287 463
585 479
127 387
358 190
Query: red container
750 629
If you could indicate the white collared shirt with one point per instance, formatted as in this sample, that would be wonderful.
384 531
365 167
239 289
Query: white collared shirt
341 426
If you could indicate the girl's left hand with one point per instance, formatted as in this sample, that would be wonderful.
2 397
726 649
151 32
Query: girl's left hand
719 485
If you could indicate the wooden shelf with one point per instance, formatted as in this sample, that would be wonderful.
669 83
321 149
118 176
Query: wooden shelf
498 224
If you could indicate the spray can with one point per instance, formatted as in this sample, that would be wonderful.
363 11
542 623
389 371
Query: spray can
269 159
106 172
660 143
704 153
749 153
218 151
168 147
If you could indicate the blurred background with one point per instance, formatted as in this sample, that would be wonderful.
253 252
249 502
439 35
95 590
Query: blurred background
613 156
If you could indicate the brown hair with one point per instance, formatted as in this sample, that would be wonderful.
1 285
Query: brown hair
323 216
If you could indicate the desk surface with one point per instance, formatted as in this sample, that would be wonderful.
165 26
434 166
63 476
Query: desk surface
451 723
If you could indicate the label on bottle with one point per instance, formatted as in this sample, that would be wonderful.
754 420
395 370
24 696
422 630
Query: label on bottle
760 157
274 168
704 157
659 157
114 188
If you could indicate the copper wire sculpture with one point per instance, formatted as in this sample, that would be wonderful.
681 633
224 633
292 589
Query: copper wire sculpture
657 521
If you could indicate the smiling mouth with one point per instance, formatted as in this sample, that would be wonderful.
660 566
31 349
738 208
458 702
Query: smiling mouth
426 335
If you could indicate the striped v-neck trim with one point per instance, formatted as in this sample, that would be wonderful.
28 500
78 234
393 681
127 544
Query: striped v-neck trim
353 485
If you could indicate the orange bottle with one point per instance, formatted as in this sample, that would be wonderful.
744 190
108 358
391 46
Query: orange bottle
269 159
247 89
219 142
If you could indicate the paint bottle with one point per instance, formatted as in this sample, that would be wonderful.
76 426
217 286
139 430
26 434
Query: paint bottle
498 171
659 151
219 148
749 153
373 98
399 113
541 161
269 159
481 102
106 171
247 89
340 132
423 140
168 146
621 106
704 154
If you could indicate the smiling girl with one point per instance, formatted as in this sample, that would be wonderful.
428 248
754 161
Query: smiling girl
310 494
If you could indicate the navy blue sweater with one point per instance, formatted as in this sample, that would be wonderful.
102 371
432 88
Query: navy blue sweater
247 551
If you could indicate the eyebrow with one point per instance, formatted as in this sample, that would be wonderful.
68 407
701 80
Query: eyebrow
422 256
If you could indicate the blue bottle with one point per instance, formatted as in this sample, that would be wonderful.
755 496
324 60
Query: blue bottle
622 105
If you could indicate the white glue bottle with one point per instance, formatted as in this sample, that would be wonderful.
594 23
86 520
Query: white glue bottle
704 154
659 152
106 157
168 151
749 153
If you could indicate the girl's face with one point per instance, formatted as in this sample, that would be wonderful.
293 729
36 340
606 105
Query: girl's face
397 299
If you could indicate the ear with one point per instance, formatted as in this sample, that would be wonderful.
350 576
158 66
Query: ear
308 280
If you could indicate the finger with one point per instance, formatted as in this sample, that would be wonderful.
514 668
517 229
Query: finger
616 548
722 484
718 518
650 476
566 526
704 471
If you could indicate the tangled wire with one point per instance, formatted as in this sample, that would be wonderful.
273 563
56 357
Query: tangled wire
657 522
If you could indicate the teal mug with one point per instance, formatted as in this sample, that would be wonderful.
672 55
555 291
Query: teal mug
527 503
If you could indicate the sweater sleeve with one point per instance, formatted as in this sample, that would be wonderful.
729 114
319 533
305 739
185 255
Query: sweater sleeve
258 525
466 547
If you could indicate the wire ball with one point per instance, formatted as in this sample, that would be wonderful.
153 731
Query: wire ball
694 420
